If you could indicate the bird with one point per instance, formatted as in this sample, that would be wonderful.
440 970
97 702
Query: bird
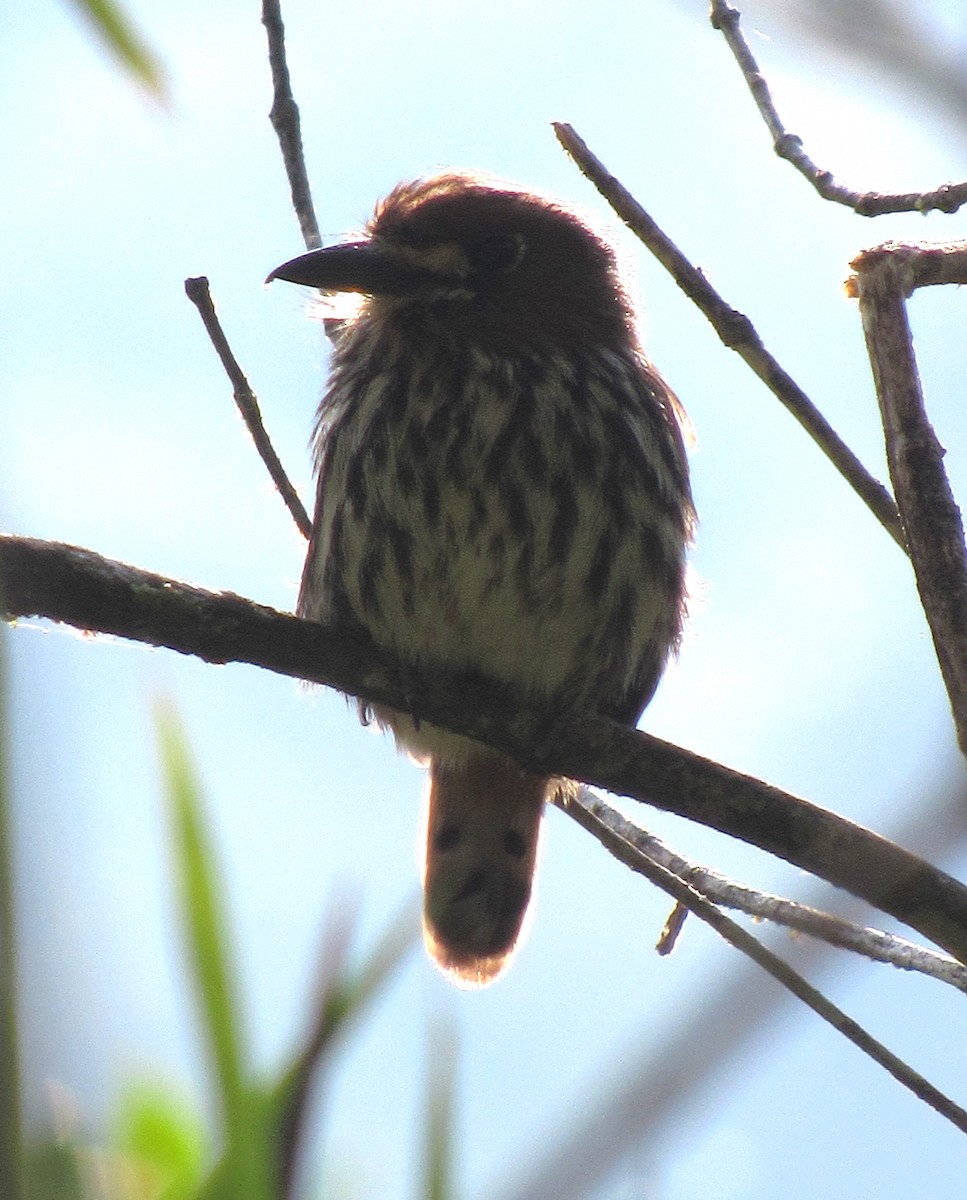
503 491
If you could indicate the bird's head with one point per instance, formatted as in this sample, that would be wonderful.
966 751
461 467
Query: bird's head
502 267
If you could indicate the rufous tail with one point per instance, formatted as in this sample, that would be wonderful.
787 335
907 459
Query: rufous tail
482 830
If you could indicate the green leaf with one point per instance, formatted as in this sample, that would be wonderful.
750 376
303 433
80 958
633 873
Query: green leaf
166 1138
249 1165
117 32
207 941
262 1125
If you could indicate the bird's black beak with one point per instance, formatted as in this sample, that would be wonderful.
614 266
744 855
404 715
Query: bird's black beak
354 267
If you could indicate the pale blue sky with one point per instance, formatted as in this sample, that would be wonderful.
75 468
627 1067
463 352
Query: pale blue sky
807 661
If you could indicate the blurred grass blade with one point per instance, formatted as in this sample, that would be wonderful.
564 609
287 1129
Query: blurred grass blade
120 36
439 1113
11 1129
347 996
54 1170
343 999
204 924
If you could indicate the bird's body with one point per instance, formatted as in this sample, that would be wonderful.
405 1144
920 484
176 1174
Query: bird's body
502 491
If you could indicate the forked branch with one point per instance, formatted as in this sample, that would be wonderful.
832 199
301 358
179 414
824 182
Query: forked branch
885 277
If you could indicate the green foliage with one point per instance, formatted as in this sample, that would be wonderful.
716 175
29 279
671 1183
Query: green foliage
114 28
165 1137
159 1148
208 950
262 1122
53 1172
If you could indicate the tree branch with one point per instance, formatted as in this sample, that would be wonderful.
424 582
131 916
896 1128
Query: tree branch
885 276
780 970
874 944
284 116
198 293
736 331
65 583
948 198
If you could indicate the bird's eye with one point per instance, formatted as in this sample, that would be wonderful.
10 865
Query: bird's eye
497 253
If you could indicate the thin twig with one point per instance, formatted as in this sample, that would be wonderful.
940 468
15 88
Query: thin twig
946 198
668 1070
65 583
884 278
284 116
198 293
736 331
874 944
775 966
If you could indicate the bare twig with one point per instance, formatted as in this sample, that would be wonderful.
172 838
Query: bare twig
197 291
68 584
284 116
947 198
736 331
884 278
874 944
668 1068
776 967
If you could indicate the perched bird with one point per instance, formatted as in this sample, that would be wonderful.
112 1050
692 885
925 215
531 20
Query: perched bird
502 490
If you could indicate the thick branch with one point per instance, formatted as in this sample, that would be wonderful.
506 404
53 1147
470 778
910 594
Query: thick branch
934 530
79 587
